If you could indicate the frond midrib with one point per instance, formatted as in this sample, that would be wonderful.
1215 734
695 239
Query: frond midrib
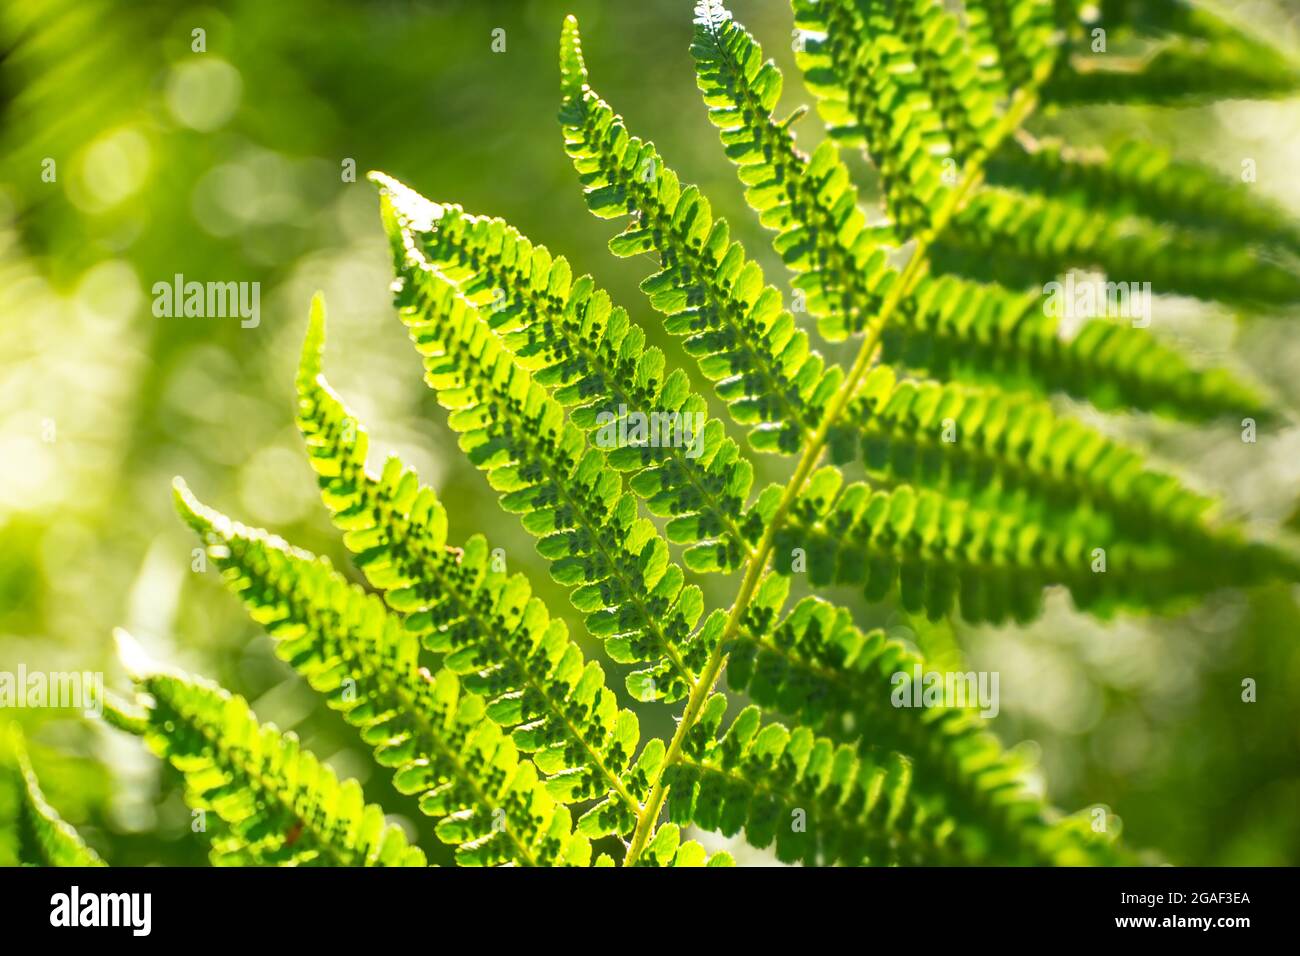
1021 106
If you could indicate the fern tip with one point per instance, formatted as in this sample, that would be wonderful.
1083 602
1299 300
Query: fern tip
181 494
420 213
313 347
573 69
191 510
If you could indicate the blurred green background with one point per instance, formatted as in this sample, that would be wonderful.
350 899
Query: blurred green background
227 165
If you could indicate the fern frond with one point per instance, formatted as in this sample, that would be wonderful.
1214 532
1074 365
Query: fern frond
710 292
593 359
811 202
440 739
947 69
947 327
860 68
567 494
500 640
56 841
1136 178
280 804
952 328
1014 455
931 549
1017 238
1014 40
820 803
929 211
815 666
1165 52
1000 234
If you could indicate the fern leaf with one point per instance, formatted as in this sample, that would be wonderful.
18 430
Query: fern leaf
842 270
955 329
1166 52
439 738
946 67
851 57
817 802
1016 37
57 842
280 804
1141 179
593 359
999 234
931 549
735 326
817 667
1035 236
1011 455
501 641
566 493
947 327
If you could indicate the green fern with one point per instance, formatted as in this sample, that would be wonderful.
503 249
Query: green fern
709 290
51 841
276 803
1000 233
948 327
502 642
931 471
593 360
1176 52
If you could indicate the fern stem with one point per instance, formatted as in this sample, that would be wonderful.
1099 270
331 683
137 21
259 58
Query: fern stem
1021 106
753 574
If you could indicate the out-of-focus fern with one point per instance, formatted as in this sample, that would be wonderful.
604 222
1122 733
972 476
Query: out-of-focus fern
930 471
814 665
50 839
770 781
1163 51
923 72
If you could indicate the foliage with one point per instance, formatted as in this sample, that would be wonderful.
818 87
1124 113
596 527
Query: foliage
937 470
